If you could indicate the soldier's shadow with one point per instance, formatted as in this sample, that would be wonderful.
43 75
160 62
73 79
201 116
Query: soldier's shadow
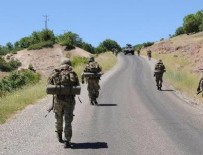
89 145
167 90
102 104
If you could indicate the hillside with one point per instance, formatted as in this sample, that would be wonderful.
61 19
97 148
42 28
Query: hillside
189 47
45 60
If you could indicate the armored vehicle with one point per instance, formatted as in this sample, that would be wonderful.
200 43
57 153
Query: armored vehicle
128 49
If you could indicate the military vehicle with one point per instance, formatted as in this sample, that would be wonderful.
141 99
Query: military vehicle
128 49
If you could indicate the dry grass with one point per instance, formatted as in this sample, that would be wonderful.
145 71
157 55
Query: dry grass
178 74
106 60
13 102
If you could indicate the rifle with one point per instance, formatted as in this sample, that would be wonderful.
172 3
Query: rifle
51 107
199 92
79 99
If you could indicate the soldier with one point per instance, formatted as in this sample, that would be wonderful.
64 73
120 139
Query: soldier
149 54
200 85
64 104
115 51
92 74
138 52
158 73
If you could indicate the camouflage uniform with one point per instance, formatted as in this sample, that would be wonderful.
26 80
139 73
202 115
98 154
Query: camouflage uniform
158 73
200 85
149 54
92 82
138 52
64 104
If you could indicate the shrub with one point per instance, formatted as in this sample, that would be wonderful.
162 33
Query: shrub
18 79
9 66
41 45
78 61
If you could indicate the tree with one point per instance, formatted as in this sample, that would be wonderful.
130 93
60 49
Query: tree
35 38
25 42
108 45
46 35
9 46
70 40
190 24
179 31
88 47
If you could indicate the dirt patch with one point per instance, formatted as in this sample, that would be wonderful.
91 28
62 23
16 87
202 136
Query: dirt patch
46 59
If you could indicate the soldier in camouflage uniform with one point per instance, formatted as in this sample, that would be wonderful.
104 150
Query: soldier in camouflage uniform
93 81
200 85
138 52
158 73
149 54
64 104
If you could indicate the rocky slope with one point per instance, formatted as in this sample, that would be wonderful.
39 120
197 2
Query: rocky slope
185 46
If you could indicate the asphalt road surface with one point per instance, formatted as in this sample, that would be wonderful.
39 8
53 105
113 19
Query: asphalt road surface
132 118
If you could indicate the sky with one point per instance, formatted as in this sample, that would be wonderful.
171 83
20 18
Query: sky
125 21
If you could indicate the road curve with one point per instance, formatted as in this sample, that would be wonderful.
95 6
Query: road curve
132 118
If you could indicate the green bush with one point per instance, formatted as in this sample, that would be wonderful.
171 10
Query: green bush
78 61
9 66
18 79
41 45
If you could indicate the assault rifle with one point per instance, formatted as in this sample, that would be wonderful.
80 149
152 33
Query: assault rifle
199 92
50 108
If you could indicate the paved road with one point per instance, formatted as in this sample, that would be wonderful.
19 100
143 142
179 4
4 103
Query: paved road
132 118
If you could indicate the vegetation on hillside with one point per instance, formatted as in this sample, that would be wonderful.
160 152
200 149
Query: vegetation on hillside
192 23
11 102
47 38
9 66
107 45
16 80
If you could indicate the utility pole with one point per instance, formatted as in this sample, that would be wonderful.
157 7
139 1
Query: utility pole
46 20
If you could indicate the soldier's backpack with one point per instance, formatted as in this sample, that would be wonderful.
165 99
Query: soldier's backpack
159 68
93 67
64 82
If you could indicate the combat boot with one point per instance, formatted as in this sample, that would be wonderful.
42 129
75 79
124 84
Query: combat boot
91 102
67 144
59 136
95 102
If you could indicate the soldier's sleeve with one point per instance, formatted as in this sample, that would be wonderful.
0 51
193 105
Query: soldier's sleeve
99 67
164 68
155 68
85 70
77 83
200 85
198 88
50 80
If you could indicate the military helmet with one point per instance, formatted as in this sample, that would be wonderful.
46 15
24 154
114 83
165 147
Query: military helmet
66 61
91 59
160 61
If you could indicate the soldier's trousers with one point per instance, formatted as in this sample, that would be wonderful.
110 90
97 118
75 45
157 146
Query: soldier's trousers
64 112
159 80
93 88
